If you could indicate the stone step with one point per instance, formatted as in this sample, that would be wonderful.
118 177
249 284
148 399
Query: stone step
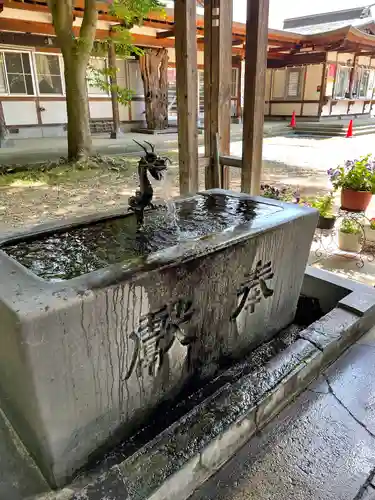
334 129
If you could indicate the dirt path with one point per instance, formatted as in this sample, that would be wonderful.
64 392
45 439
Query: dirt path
27 201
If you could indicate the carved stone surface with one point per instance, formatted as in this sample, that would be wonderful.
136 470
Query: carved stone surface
87 358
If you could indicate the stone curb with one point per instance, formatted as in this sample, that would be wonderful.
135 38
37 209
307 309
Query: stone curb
186 454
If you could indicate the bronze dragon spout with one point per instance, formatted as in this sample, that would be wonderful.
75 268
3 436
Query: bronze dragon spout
155 165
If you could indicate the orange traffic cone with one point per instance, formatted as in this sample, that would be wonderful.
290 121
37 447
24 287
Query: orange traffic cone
293 120
349 133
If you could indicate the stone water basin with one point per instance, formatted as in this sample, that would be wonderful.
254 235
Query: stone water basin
101 323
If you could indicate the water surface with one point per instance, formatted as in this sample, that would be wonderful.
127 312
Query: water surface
75 251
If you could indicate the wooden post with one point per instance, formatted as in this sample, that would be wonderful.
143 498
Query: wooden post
217 85
254 105
352 76
116 132
323 86
187 93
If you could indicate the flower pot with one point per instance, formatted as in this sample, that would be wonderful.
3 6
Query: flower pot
355 200
369 234
326 222
350 242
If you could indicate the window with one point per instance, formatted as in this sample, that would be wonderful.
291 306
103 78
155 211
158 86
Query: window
172 96
342 81
234 86
200 93
15 73
364 83
3 78
48 74
94 76
294 83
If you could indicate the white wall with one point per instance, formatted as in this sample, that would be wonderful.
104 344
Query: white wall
310 109
284 108
20 112
172 56
55 112
279 79
313 81
100 109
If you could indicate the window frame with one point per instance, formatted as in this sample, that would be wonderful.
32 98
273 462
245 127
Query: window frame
340 67
32 72
235 69
301 75
60 59
362 71
103 94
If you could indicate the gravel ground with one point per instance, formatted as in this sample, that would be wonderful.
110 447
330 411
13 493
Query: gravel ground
297 162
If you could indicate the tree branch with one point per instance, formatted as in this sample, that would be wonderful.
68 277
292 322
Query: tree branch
88 27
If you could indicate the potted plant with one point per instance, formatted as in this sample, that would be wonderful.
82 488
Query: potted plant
350 236
357 182
370 231
282 194
324 205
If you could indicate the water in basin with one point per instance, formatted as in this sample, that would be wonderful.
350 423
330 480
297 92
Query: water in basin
73 251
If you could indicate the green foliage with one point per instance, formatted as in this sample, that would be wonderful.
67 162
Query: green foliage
358 175
282 194
62 170
133 12
100 78
129 13
324 205
349 226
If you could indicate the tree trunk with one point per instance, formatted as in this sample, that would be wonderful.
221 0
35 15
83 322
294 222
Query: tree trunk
79 136
3 127
154 71
116 132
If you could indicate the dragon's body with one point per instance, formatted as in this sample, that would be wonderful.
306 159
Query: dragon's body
155 165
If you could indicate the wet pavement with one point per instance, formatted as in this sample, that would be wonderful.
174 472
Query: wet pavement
322 447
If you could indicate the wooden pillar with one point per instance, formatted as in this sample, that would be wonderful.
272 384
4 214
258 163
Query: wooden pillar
255 83
187 93
352 76
116 131
323 87
217 87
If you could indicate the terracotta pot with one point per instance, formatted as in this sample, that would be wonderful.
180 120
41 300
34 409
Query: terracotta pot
355 200
326 222
350 242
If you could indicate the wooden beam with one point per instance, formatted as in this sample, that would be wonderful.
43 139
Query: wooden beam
23 39
280 48
300 60
254 98
187 94
231 161
42 7
218 82
165 34
17 25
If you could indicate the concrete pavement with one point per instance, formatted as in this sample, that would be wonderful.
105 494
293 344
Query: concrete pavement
36 150
19 476
322 447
